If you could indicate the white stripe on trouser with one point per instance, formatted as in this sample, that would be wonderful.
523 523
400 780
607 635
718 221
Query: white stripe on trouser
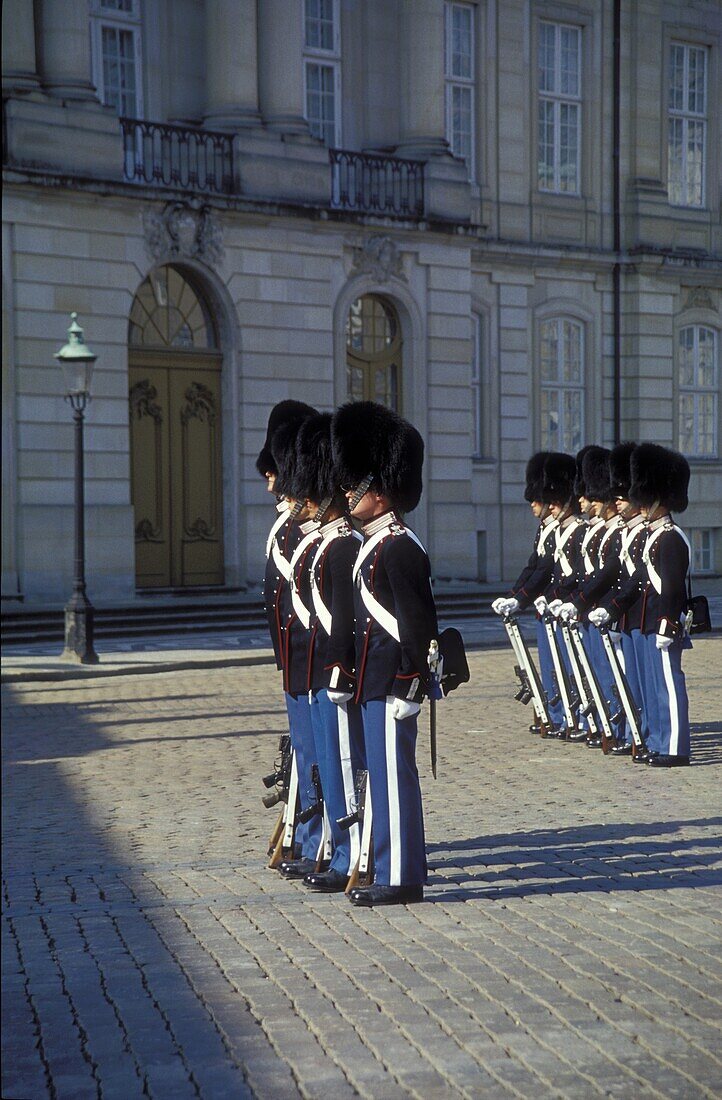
326 846
392 785
349 790
673 707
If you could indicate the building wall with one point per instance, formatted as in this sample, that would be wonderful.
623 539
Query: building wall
285 269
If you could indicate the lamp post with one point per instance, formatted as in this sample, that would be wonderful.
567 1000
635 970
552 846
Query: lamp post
77 361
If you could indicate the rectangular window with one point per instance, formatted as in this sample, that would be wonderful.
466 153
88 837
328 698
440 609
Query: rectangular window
562 384
116 55
698 375
687 124
702 550
322 70
559 112
459 66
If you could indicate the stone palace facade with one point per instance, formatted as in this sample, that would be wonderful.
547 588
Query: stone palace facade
502 218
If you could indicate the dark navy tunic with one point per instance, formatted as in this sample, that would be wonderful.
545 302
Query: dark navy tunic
536 576
394 567
297 623
282 541
332 656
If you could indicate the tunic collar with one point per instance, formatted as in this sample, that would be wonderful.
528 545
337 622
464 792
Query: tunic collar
379 523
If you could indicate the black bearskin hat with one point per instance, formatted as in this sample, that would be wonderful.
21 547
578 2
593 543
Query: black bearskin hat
580 489
620 476
283 456
595 474
285 412
368 438
535 476
558 484
314 476
659 474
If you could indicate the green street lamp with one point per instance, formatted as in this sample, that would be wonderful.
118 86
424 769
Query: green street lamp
77 361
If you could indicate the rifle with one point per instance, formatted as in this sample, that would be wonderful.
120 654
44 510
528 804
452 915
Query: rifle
362 873
630 708
316 809
280 779
283 847
586 706
569 699
531 685
600 703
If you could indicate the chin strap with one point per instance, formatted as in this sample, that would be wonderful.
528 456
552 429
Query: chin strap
360 491
297 508
323 508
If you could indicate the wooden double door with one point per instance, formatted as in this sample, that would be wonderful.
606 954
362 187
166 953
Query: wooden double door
176 471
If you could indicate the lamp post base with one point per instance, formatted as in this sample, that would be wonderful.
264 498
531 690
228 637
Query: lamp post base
79 615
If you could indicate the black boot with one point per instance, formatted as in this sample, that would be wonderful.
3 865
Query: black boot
386 895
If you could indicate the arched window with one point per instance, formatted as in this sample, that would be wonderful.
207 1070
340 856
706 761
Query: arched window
562 384
698 372
168 312
373 351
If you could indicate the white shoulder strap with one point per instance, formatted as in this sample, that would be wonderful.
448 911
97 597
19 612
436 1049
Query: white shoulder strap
563 537
323 613
377 611
299 606
278 524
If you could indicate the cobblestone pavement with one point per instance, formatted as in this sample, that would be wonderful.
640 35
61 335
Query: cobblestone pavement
569 946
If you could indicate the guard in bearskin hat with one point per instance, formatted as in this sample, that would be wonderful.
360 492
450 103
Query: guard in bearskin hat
284 534
621 603
330 662
295 638
379 458
536 575
556 567
660 480
599 568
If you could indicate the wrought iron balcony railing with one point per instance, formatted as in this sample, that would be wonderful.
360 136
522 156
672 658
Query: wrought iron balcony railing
377 184
163 155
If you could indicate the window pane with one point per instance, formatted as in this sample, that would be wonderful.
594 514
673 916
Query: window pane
545 172
461 39
549 352
461 121
572 363
319 24
695 162
675 161
705 424
572 435
686 423
321 101
546 57
117 5
696 81
119 77
568 145
569 74
550 420
686 357
676 78
707 365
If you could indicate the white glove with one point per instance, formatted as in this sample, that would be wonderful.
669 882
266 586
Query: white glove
599 616
511 606
555 607
339 697
663 642
499 604
568 612
401 708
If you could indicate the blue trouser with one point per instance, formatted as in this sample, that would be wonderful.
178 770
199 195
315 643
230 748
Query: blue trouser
339 739
669 725
307 841
603 671
546 671
398 818
635 678
650 718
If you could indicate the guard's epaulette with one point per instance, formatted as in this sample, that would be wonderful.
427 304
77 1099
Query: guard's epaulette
397 529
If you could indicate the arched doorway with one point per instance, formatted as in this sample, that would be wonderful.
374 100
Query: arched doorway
373 351
175 434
